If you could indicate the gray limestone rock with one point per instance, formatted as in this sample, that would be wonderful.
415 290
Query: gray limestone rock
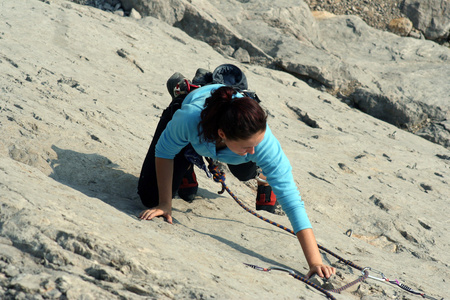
78 113
432 17
397 79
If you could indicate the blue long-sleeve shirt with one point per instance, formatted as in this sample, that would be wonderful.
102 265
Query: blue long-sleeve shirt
183 129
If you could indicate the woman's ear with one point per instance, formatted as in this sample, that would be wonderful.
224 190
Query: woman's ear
221 134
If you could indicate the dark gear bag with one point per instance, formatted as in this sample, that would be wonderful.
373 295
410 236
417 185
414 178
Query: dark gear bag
227 74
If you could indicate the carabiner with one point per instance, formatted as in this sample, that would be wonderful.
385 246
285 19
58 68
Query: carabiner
259 179
291 272
383 278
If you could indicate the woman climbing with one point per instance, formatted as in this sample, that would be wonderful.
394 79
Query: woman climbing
217 122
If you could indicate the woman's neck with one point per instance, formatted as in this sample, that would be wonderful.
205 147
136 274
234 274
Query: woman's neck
220 144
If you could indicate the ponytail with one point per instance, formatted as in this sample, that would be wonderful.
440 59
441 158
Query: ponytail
239 118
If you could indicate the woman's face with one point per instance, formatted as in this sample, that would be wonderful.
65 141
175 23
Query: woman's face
243 147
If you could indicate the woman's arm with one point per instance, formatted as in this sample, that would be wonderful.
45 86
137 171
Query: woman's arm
164 175
312 254
277 168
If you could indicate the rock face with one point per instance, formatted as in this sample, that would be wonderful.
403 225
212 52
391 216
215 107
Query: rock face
81 93
395 87
399 80
432 17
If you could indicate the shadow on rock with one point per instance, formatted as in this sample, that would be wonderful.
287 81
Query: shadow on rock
96 176
247 251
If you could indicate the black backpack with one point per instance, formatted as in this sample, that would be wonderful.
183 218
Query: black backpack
227 74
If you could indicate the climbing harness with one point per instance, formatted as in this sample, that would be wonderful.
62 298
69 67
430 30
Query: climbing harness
219 176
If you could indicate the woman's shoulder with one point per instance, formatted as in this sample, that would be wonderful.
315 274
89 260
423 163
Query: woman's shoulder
199 95
269 146
188 113
268 136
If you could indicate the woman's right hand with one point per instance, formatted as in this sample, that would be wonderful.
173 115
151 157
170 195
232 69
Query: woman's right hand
157 211
164 174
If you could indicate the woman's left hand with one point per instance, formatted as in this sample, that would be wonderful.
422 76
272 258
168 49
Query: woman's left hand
321 270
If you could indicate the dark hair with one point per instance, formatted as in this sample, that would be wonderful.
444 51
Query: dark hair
239 118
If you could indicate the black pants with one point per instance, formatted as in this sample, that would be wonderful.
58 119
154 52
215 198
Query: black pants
148 186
